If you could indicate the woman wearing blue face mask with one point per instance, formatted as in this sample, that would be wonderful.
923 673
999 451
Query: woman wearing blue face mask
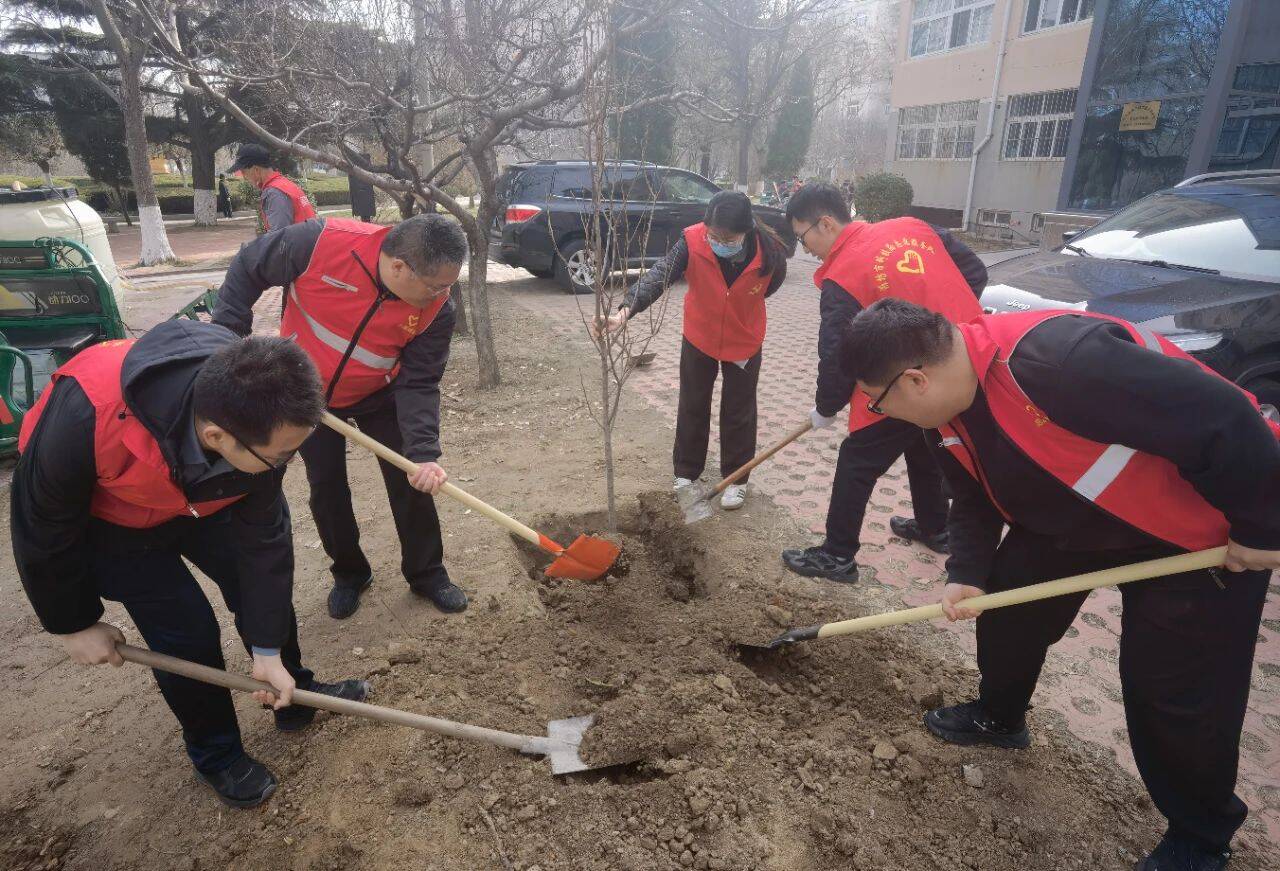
732 263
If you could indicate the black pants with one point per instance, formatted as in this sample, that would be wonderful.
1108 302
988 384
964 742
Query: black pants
693 417
143 570
866 455
1186 653
414 512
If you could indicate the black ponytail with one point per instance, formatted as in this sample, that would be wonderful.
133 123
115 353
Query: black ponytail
731 211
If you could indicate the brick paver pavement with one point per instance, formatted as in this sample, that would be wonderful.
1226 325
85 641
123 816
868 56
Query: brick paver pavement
1080 680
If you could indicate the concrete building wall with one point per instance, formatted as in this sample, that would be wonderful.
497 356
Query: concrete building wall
1048 60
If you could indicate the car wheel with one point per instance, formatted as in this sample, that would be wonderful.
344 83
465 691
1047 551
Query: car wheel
541 273
1268 393
576 268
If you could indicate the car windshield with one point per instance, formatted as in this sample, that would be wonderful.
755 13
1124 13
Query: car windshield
1182 230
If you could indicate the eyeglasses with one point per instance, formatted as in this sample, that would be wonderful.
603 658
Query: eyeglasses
874 405
806 232
280 461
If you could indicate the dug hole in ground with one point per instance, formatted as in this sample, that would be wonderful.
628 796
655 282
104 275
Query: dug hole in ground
815 760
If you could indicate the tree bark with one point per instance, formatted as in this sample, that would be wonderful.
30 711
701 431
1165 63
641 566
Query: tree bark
478 302
460 326
202 162
128 49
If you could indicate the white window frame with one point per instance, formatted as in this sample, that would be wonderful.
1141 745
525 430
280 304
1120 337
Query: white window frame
947 128
994 217
1042 133
937 20
1054 19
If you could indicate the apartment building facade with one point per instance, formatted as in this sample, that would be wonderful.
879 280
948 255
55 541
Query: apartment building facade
982 102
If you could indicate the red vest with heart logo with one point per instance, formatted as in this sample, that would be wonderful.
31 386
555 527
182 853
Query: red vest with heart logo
1143 490
330 300
302 208
901 258
135 485
722 321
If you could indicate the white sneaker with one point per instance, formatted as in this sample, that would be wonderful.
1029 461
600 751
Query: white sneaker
681 483
733 497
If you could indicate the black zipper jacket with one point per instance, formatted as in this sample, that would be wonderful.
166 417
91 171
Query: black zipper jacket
1089 377
54 536
275 260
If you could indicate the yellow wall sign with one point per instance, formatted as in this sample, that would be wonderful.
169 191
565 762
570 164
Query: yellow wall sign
1139 116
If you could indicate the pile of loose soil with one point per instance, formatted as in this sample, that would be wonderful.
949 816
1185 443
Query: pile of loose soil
813 759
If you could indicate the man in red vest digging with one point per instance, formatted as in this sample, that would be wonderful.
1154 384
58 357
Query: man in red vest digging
370 305
141 454
282 202
1098 443
861 263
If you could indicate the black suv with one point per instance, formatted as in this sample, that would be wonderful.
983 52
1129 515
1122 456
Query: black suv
1198 263
544 207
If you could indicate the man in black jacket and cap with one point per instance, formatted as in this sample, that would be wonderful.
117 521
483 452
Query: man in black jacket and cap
141 454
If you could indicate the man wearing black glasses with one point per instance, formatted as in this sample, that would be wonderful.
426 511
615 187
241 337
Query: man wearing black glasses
141 454
862 262
1097 444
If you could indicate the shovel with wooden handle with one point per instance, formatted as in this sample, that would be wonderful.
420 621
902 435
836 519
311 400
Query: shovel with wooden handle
586 559
560 745
695 499
1172 565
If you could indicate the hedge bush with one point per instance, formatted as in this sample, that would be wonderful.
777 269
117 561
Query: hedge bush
882 195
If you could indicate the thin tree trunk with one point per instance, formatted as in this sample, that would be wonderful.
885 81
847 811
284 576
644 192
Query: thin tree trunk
478 293
202 163
606 426
460 327
155 242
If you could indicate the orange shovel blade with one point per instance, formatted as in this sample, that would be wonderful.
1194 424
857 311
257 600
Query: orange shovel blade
585 560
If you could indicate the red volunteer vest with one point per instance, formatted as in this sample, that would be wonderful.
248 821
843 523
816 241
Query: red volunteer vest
901 258
1143 490
302 208
723 322
135 486
328 302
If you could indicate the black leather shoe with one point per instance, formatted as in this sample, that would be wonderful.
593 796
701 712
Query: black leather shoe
246 783
344 600
816 562
969 723
909 528
446 596
1176 853
296 717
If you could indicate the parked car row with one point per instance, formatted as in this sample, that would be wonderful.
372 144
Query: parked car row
1199 263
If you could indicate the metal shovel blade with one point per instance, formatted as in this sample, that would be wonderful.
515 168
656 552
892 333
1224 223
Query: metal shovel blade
564 737
586 559
695 501
786 639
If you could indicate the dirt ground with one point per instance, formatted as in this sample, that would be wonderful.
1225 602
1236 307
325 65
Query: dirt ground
812 760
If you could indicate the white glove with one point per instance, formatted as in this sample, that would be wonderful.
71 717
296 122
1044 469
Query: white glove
819 420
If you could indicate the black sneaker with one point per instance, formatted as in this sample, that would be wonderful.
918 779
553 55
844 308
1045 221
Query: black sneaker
1177 853
969 723
817 562
909 528
295 717
246 783
442 592
344 600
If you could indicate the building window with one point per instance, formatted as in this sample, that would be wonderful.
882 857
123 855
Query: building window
941 25
1037 222
1043 14
943 131
1038 124
994 217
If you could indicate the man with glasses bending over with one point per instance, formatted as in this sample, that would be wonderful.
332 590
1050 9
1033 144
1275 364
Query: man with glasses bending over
861 263
143 453
370 306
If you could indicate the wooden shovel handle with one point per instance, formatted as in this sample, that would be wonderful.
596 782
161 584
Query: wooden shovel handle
218 677
409 467
1172 565
760 458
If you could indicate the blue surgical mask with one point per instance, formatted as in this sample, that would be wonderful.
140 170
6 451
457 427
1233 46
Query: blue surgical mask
720 249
